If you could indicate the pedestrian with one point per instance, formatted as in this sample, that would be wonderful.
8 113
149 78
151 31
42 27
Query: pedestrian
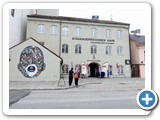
76 77
70 76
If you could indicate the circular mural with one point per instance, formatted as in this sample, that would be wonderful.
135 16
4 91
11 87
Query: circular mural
31 62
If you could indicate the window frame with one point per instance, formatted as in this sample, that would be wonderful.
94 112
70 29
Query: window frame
65 69
120 50
78 49
93 32
65 30
41 28
108 33
119 34
109 50
93 49
78 31
65 48
53 30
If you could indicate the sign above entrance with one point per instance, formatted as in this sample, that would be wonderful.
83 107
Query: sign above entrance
96 41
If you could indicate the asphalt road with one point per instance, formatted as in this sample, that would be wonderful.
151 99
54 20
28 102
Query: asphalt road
61 99
97 94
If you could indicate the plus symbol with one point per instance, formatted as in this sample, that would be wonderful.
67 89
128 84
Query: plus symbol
147 99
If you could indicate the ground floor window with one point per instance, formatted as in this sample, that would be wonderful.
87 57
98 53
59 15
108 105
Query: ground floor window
64 68
120 69
78 67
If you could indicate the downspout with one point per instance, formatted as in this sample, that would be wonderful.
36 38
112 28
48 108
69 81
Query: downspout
130 53
60 46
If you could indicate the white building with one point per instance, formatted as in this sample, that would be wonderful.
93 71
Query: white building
31 61
92 45
17 25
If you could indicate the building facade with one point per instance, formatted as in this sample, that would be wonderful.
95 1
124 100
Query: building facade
31 61
137 55
91 46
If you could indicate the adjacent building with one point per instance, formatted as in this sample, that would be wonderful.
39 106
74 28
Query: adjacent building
138 55
91 46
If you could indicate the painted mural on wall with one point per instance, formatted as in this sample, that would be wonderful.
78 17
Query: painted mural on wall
31 62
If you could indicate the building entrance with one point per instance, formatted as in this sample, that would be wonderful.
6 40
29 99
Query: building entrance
94 69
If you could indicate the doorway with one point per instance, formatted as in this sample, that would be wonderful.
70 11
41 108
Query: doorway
94 69
135 71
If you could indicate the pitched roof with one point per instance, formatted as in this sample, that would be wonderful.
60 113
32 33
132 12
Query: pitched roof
77 19
140 39
40 45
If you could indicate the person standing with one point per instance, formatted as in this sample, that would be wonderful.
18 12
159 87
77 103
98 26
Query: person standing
70 76
76 77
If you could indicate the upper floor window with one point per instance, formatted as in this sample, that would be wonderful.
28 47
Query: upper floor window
108 33
78 48
12 12
65 30
41 28
119 50
78 31
53 29
108 50
93 32
65 48
65 68
93 49
119 33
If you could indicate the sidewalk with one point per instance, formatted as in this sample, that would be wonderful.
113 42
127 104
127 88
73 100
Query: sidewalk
86 84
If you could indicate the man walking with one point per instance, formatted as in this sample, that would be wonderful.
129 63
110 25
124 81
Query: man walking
70 76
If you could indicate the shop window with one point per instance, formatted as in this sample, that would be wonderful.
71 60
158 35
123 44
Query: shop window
78 68
120 69
65 68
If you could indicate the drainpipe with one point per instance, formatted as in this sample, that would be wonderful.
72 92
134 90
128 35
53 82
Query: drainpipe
60 45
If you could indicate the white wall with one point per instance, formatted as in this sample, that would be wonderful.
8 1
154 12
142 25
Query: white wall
51 72
17 25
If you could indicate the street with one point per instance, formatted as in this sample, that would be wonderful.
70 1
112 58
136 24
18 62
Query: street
92 93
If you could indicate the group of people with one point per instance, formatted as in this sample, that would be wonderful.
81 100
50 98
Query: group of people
76 76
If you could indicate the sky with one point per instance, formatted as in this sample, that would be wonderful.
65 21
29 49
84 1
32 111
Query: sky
138 15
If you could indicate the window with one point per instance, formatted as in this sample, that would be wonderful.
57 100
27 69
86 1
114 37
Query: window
65 68
41 28
119 34
108 33
12 12
78 67
64 48
108 50
78 31
120 69
53 30
65 30
78 48
119 50
93 32
93 49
